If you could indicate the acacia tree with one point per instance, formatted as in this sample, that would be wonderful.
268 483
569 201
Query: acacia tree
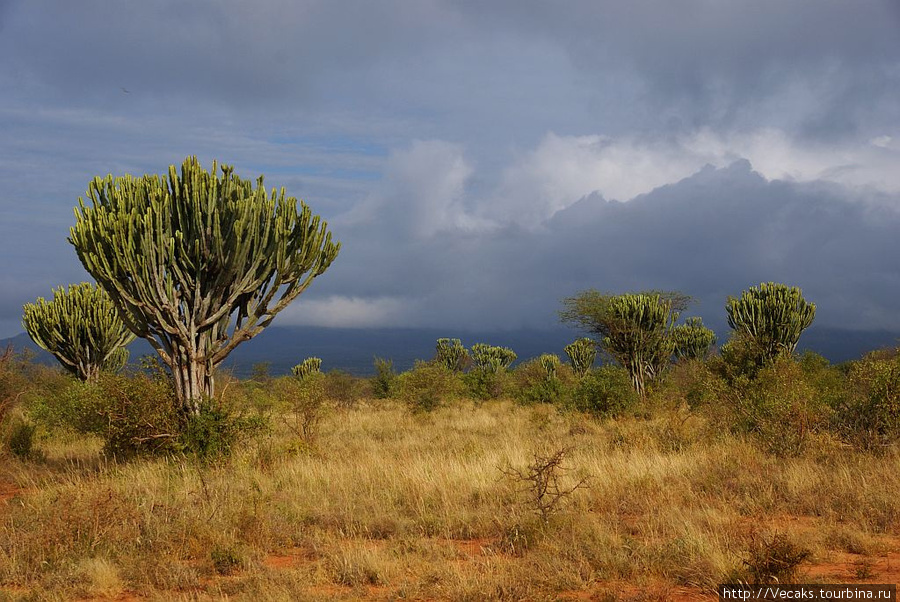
634 328
770 318
81 328
198 262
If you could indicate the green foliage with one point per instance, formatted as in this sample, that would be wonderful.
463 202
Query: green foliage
385 379
635 328
699 386
344 389
81 328
133 415
136 416
490 359
582 354
306 405
12 384
770 318
606 391
260 372
427 386
550 363
589 310
868 416
215 431
693 340
21 439
780 407
198 262
740 358
451 353
226 560
542 380
311 365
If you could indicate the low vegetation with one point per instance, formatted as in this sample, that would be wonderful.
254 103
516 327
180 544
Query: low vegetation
417 486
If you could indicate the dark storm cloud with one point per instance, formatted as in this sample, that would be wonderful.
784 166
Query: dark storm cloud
824 66
698 62
439 136
710 235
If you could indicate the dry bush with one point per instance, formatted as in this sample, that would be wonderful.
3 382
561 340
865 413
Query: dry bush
774 559
399 504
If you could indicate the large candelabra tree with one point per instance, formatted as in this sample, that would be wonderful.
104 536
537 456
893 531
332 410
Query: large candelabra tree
198 262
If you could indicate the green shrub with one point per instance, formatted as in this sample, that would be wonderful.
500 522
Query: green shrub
74 406
134 415
427 386
305 404
226 560
739 359
481 384
12 384
774 560
531 382
21 439
606 391
214 432
385 379
780 407
868 415
344 389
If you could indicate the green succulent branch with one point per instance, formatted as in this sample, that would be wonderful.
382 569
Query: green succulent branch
451 353
198 262
81 328
582 354
491 359
311 365
692 339
772 317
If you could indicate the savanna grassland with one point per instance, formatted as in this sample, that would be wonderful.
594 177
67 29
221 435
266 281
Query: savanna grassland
431 486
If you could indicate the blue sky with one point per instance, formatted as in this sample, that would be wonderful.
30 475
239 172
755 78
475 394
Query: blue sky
481 160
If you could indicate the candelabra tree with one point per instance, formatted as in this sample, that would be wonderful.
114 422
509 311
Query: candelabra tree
635 329
311 365
81 328
198 262
692 339
491 359
771 318
582 354
452 354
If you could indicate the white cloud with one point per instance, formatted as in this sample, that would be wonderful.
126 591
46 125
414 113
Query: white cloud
423 192
348 312
563 169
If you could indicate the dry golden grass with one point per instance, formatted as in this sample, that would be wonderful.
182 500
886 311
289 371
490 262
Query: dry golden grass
395 505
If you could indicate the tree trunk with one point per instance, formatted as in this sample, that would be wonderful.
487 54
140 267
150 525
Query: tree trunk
193 383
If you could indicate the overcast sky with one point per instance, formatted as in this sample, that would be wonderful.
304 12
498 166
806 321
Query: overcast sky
481 160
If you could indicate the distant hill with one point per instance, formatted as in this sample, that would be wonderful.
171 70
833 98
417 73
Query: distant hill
354 350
